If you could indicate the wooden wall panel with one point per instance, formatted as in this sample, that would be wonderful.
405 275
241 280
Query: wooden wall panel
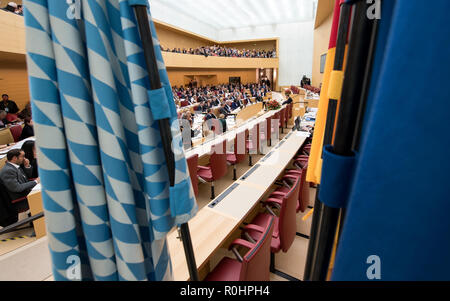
179 77
12 38
321 42
14 82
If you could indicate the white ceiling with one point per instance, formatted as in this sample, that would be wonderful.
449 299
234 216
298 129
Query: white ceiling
231 14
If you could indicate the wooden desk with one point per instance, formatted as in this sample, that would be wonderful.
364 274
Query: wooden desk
6 136
36 207
205 148
205 240
248 112
212 227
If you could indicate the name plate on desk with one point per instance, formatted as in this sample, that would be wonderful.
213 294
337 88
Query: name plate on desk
248 173
223 195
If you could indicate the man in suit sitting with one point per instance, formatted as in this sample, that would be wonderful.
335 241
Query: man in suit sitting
235 105
210 115
223 110
289 101
14 177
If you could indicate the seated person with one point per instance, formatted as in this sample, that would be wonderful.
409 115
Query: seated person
28 130
3 121
210 115
223 121
15 178
8 106
223 110
289 101
235 105
11 7
29 148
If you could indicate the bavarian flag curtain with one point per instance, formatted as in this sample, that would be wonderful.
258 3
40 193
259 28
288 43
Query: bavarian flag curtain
105 184
315 160
397 225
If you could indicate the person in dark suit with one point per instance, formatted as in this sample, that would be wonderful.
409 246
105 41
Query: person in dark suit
15 178
234 105
288 101
28 130
228 108
8 105
29 148
223 121
210 115
223 110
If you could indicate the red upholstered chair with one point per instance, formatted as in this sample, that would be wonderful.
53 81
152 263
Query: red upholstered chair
252 143
255 265
11 117
16 132
275 125
240 151
306 149
283 119
286 115
303 196
262 133
184 103
291 110
192 163
285 223
217 167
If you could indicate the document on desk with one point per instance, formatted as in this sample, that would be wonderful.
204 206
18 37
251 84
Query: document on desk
38 187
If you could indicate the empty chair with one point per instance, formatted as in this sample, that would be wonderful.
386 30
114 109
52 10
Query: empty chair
282 119
306 149
192 163
252 142
240 151
303 195
255 265
286 115
274 127
16 132
285 223
217 167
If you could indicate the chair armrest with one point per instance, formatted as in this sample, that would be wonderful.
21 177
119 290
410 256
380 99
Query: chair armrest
203 168
277 193
241 242
289 177
254 227
273 201
19 200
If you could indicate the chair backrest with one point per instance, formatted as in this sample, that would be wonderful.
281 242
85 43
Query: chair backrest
287 219
192 163
184 103
269 128
283 117
218 161
303 195
16 132
239 147
286 112
256 263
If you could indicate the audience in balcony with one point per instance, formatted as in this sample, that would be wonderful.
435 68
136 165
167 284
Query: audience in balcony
14 8
223 52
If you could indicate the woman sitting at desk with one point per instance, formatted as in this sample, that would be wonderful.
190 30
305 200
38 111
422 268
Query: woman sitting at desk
29 147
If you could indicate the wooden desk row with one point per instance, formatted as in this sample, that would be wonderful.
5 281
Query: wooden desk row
215 223
205 148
